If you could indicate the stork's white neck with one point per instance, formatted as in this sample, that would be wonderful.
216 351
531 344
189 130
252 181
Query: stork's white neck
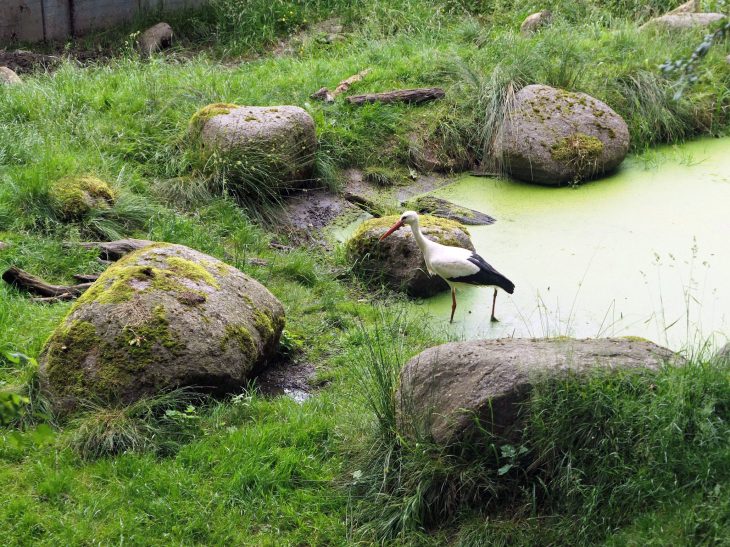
423 243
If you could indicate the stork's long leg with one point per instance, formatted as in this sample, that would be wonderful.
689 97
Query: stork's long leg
494 302
453 306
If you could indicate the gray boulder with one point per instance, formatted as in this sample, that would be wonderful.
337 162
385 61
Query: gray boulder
727 59
534 22
683 20
163 317
397 261
280 140
7 76
155 38
445 387
553 136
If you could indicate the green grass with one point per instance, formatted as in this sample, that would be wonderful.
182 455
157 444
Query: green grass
619 460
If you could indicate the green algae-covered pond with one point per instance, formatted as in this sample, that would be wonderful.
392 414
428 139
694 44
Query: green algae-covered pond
644 252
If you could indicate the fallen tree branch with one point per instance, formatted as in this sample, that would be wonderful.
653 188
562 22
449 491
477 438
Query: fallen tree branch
86 277
113 250
326 95
412 96
52 299
23 280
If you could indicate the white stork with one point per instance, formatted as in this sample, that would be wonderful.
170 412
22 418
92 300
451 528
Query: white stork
459 267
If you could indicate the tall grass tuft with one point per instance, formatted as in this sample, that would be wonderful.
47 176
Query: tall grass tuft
159 424
595 453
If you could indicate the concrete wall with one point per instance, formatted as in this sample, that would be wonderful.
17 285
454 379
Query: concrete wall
35 20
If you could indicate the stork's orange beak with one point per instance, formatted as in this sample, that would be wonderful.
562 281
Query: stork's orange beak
393 229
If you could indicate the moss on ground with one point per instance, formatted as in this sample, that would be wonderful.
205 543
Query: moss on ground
76 196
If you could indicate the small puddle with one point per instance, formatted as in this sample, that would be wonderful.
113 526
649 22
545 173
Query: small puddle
644 252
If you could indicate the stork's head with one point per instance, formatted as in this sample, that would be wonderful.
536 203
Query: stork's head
409 217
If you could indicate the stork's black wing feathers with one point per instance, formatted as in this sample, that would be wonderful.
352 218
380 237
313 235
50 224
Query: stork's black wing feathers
485 276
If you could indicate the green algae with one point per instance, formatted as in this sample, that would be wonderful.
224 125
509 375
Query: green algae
597 260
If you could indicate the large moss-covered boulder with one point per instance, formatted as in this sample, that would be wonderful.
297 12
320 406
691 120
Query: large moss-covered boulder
163 317
274 142
76 196
553 137
445 388
397 261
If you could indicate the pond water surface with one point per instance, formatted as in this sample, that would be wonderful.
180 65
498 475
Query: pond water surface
644 252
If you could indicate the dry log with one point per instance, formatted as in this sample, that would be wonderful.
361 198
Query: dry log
23 280
413 96
326 95
280 247
86 277
113 250
52 299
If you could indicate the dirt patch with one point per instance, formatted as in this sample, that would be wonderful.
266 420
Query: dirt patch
287 379
25 62
314 209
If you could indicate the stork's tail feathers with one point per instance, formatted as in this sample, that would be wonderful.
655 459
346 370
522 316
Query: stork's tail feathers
505 284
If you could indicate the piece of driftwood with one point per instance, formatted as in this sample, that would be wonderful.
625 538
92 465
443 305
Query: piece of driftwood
34 285
412 96
113 250
52 299
86 277
326 95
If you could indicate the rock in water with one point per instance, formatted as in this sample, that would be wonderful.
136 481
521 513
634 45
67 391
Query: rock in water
445 387
277 140
554 136
155 38
683 20
163 317
397 261
7 76
534 22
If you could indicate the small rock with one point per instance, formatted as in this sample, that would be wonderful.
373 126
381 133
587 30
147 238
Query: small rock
397 261
7 76
727 59
451 384
4 245
155 38
682 21
76 196
257 261
445 209
534 22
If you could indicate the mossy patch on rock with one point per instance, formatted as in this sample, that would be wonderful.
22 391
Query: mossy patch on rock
579 152
76 196
207 112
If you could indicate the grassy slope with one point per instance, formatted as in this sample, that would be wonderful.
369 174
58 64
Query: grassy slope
271 472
